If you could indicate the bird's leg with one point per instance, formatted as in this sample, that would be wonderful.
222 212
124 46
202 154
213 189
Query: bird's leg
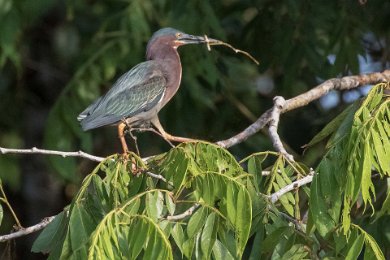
121 133
156 122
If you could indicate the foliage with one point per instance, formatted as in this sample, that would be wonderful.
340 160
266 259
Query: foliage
208 206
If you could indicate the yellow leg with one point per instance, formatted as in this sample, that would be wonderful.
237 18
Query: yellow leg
156 122
121 134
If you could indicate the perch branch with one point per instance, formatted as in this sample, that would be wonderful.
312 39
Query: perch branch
315 93
28 230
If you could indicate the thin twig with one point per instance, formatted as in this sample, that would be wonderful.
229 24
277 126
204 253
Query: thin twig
186 213
315 93
35 150
157 176
274 197
218 42
28 230
80 154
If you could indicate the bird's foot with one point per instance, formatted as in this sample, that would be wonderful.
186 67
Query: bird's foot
177 139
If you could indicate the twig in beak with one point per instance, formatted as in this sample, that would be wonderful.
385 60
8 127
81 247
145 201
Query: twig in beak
218 42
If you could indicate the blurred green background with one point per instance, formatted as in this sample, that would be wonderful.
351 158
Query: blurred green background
56 57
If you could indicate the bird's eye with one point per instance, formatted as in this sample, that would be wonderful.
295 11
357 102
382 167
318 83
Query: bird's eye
178 35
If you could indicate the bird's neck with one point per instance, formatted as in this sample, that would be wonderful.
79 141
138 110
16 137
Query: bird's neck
171 66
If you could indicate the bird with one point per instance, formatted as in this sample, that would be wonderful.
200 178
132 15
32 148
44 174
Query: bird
137 96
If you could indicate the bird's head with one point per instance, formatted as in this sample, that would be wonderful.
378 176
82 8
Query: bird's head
175 38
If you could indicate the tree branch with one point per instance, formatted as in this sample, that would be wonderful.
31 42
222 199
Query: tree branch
80 154
186 213
279 103
26 231
274 197
35 150
344 83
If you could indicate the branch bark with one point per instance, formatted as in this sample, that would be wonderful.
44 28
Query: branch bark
35 150
315 93
274 197
26 231
186 213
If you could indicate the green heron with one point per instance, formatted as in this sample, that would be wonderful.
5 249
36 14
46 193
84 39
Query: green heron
137 96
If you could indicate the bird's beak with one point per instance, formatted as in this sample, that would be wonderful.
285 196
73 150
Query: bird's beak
192 39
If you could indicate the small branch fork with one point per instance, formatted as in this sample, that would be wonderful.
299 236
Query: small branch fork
279 103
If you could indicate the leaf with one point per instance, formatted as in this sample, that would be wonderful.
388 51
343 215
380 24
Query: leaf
171 206
221 252
209 235
380 152
371 244
137 238
154 205
355 249
296 252
330 128
318 209
80 227
272 239
178 235
52 236
196 222
385 207
367 184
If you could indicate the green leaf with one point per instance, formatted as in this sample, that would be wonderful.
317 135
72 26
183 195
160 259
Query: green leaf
367 184
196 222
330 128
221 252
80 227
178 235
355 249
154 204
137 238
296 252
171 206
273 239
322 219
209 235
52 236
380 152
371 244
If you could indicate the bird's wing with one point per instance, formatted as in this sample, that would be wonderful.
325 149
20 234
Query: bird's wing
138 90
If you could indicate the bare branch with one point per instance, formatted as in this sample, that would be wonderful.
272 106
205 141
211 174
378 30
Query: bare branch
80 154
279 103
274 197
186 213
35 150
344 83
28 230
157 176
